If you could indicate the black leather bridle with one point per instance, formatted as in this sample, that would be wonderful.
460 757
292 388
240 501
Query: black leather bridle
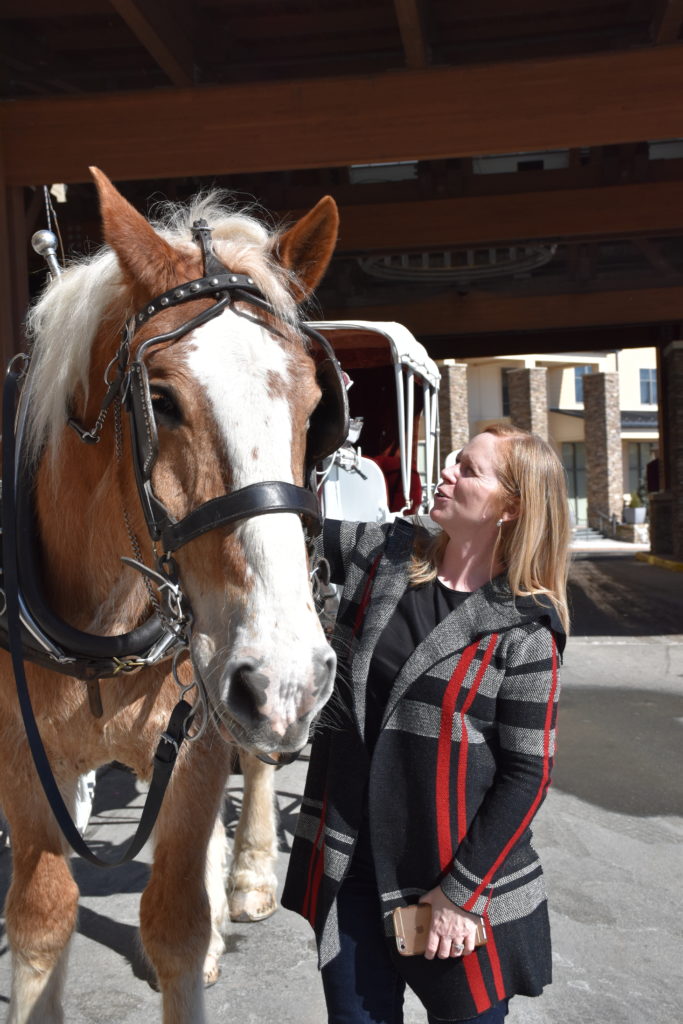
327 430
29 628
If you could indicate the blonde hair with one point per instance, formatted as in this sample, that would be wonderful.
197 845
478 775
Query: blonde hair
534 546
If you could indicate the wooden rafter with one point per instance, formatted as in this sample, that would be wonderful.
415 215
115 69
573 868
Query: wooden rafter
581 339
666 24
409 15
153 24
486 312
332 122
617 211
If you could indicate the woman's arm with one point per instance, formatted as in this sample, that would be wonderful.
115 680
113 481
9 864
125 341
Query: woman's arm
336 544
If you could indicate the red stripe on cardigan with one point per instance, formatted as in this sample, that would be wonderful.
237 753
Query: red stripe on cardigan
494 960
443 756
464 739
320 864
360 614
313 878
475 980
541 789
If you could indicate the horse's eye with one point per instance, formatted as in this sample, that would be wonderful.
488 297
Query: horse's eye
166 410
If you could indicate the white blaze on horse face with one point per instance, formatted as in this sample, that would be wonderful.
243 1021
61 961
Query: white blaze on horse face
270 649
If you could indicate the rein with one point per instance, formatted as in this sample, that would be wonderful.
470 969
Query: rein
34 632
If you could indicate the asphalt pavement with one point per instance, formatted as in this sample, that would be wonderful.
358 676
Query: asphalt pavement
610 835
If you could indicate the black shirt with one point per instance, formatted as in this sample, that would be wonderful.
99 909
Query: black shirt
418 612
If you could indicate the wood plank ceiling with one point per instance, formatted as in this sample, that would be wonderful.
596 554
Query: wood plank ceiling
511 130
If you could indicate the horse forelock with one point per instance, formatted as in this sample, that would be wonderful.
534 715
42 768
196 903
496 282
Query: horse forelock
93 295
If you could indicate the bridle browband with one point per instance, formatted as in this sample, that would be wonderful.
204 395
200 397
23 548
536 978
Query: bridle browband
30 629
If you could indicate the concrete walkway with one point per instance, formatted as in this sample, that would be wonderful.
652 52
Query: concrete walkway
610 835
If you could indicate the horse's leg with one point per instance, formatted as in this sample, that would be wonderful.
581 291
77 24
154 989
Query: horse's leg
216 865
41 908
252 883
175 914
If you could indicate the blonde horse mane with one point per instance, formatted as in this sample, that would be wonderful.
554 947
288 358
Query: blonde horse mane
64 321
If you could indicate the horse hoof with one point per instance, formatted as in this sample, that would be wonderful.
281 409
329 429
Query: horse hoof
212 970
254 905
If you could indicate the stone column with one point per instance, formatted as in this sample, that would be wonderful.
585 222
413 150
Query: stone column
528 391
602 426
666 507
454 424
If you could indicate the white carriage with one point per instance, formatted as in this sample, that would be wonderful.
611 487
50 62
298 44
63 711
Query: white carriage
390 462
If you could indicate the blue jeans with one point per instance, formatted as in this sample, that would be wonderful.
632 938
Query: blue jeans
361 984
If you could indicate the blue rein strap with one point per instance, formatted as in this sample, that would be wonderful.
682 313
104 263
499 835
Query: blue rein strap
171 740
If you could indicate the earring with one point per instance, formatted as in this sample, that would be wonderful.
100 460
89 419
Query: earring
499 523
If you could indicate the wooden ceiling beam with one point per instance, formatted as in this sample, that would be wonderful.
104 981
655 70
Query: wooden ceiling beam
153 24
482 346
409 15
428 114
488 312
648 208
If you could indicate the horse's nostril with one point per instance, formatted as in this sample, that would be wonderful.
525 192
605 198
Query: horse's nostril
246 691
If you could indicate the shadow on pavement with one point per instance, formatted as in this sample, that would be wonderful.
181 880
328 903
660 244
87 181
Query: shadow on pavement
94 881
123 939
610 596
621 749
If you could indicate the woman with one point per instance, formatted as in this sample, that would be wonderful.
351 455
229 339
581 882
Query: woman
436 750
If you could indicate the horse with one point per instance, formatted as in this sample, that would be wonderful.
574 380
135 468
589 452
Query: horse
223 405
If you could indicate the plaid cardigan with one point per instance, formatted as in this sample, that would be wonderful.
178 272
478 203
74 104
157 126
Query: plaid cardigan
461 766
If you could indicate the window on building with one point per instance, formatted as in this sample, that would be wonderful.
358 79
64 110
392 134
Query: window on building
574 462
579 373
648 387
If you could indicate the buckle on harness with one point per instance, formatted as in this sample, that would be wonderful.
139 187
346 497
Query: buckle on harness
168 754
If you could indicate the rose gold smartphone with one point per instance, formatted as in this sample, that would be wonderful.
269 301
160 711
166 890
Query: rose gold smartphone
411 928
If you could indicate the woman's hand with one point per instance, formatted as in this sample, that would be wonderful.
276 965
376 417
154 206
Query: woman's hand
453 929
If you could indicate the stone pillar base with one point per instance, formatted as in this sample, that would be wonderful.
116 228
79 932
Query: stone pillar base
633 533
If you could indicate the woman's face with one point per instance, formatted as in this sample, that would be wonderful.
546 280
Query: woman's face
469 495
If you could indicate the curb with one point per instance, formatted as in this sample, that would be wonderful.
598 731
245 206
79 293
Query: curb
663 563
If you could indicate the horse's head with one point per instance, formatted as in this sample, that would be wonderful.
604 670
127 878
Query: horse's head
231 399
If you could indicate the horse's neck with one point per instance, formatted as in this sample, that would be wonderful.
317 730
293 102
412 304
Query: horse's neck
83 535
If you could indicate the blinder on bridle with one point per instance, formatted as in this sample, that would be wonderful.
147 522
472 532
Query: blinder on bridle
327 430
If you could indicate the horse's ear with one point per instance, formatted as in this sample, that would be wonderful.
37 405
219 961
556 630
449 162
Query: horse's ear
146 258
306 249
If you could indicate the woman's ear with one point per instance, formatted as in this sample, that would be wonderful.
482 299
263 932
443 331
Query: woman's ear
510 510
